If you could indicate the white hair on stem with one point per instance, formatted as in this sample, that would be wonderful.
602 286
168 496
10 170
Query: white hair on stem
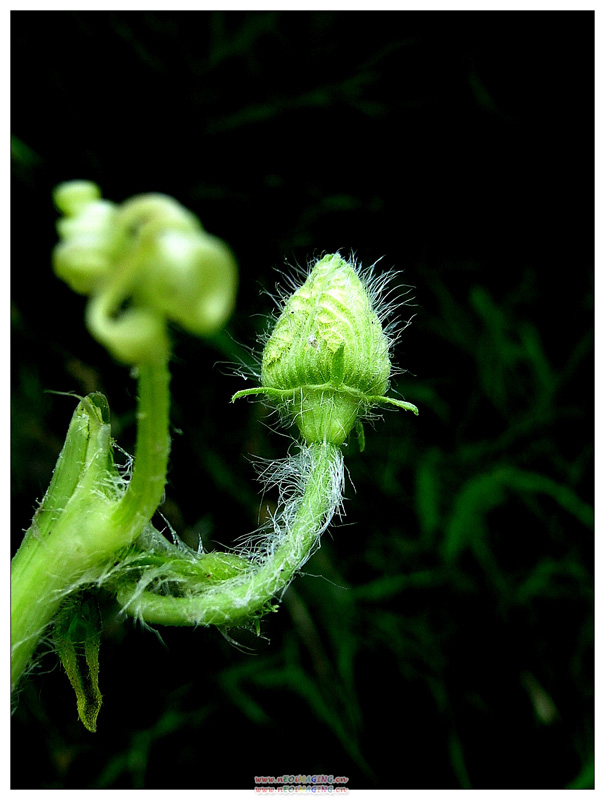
311 490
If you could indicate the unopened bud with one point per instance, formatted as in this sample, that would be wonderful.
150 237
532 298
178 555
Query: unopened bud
143 263
327 360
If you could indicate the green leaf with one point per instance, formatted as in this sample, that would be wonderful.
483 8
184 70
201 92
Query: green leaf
88 434
77 638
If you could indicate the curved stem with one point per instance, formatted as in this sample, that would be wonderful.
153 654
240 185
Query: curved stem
247 596
146 486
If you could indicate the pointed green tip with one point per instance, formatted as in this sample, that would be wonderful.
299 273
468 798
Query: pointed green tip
88 713
277 394
247 392
399 403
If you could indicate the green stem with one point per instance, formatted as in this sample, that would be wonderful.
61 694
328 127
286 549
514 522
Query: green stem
244 597
146 486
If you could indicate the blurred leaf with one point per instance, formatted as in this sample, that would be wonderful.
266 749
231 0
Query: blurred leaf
585 778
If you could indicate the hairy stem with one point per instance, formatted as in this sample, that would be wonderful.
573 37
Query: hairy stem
245 597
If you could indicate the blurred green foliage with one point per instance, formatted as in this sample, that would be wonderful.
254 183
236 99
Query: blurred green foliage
443 635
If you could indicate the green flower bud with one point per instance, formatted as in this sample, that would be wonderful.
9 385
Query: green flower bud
330 314
327 360
144 262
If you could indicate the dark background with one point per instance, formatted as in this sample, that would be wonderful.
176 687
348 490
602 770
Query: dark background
443 637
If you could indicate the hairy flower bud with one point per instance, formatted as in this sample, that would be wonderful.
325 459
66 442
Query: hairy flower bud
327 360
329 317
